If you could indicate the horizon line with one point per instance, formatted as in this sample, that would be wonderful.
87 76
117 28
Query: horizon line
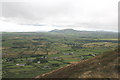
64 29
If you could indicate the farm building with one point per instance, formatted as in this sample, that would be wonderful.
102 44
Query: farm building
68 53
55 57
20 64
38 62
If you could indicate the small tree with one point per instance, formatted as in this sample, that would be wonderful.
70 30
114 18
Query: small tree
28 63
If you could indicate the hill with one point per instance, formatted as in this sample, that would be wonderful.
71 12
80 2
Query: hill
102 34
102 66
64 31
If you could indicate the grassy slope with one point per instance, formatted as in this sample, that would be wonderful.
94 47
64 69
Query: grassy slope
103 66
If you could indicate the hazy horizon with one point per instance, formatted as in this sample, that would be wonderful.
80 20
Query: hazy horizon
63 29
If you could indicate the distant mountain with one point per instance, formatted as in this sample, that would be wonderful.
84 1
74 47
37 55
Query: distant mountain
65 31
72 30
85 33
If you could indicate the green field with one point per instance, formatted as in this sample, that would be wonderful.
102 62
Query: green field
41 52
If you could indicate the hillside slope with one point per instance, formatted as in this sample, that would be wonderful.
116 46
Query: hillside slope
102 66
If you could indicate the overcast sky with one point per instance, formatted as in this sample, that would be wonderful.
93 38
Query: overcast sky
24 15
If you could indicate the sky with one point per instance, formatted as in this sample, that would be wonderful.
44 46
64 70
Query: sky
46 15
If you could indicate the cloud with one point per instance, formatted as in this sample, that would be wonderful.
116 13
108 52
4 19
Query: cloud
12 27
77 14
6 26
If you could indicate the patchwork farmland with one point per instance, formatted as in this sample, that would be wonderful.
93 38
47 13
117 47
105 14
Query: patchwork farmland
42 52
